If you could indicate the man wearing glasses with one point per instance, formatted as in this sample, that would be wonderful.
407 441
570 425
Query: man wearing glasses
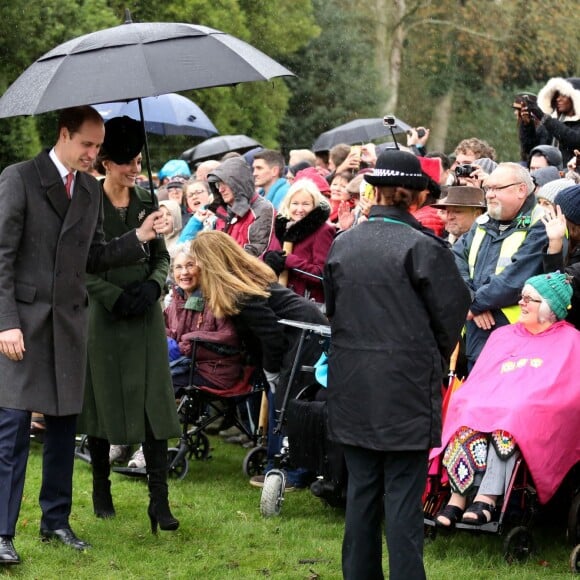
500 252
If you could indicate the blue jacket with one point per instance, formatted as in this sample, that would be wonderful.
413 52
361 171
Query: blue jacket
277 192
491 291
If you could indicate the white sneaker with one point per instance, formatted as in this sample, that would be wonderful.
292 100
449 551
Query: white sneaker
118 453
138 459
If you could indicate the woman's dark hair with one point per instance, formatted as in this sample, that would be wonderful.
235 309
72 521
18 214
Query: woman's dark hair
400 197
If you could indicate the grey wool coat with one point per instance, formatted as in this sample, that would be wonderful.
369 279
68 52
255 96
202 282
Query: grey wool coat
128 375
47 243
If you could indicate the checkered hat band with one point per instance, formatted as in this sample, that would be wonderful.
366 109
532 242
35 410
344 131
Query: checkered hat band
393 173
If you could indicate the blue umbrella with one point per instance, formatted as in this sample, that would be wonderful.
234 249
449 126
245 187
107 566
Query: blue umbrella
169 114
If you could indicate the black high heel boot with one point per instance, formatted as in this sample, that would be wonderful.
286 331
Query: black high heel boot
102 499
155 452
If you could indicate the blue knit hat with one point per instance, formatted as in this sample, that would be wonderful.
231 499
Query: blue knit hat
555 289
569 200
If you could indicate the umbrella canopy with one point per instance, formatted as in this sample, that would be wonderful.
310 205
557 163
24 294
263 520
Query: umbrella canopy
169 114
357 131
135 60
218 146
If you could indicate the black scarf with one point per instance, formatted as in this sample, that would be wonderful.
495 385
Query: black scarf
302 229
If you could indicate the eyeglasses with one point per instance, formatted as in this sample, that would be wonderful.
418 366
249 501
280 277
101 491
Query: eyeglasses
487 188
526 299
196 192
189 267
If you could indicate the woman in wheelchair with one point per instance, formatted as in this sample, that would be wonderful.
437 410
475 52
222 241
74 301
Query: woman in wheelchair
522 396
190 323
236 284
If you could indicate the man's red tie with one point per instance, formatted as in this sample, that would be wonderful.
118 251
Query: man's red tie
68 184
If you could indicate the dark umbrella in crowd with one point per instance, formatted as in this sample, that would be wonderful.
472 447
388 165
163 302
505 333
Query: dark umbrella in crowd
358 131
133 61
215 147
169 114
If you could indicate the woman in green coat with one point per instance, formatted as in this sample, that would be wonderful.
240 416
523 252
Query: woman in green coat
129 396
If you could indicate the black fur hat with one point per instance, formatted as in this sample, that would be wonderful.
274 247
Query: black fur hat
124 139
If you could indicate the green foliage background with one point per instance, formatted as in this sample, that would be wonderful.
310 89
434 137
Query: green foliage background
475 54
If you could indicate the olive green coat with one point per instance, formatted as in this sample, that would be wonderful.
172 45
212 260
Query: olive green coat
128 375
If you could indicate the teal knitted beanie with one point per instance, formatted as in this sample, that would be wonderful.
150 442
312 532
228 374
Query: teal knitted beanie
555 289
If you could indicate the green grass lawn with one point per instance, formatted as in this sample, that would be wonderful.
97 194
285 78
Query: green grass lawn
223 536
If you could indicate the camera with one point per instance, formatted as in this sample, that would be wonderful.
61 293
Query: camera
420 132
465 170
389 121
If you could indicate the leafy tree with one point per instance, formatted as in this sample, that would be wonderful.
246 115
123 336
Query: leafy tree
28 30
336 78
274 26
463 62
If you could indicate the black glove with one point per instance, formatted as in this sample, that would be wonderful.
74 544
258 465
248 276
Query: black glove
144 296
122 307
534 110
276 260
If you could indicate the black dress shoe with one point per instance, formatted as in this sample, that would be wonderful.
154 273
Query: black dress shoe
65 536
8 554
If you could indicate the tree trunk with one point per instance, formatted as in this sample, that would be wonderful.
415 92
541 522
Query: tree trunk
440 122
389 36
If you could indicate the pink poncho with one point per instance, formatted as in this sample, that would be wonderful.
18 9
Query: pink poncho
529 385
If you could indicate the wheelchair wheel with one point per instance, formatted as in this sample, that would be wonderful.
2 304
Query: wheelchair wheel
82 448
573 530
575 560
255 461
176 470
272 496
200 449
518 545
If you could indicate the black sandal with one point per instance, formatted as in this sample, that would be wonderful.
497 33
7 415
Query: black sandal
477 508
452 512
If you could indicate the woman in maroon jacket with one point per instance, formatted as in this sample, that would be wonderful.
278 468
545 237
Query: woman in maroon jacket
305 238
218 359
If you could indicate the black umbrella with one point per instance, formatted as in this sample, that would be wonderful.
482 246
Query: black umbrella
132 61
358 131
218 146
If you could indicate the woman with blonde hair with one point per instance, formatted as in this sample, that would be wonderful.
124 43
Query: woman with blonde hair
302 230
236 284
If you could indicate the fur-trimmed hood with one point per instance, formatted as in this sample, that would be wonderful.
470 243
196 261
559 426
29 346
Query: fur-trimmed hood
300 230
569 87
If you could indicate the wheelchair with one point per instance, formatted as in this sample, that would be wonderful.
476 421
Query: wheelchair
516 512
201 406
514 516
198 407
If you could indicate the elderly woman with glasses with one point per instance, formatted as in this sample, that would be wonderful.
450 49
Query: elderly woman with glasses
520 394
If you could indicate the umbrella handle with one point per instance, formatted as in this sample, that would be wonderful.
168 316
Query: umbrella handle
283 278
154 200
453 360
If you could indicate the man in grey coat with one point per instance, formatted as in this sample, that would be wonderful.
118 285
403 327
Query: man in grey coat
50 235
